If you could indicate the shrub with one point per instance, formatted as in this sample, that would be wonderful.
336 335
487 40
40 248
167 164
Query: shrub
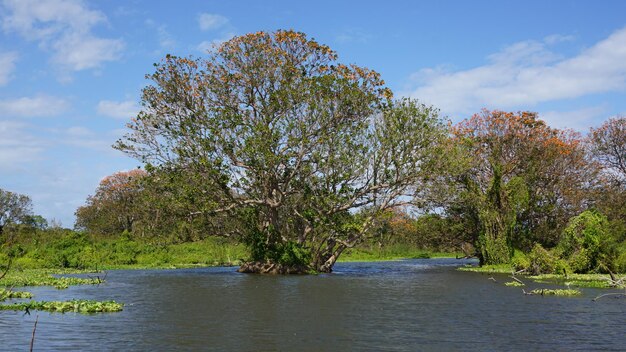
520 261
586 243
542 261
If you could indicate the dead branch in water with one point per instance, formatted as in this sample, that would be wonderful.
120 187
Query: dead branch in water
32 339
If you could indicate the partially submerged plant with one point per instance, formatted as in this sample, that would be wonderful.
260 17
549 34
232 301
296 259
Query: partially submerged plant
556 292
75 305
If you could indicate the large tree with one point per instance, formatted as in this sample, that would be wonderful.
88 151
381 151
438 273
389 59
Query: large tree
304 150
14 208
115 205
518 182
608 147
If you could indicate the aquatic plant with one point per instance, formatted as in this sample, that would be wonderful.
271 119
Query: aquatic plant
576 280
6 294
556 292
35 277
513 284
75 305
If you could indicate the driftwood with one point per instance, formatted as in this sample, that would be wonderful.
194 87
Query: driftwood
610 294
615 282
516 279
97 277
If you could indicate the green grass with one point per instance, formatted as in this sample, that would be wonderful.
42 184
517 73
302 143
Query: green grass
76 305
83 252
513 284
489 269
391 252
43 277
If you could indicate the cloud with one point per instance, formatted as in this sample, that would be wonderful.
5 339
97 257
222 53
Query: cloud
208 45
209 21
165 38
525 74
558 38
7 66
79 52
79 131
118 109
16 145
353 35
64 27
580 120
38 106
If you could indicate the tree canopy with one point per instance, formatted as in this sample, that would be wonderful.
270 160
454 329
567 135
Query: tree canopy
114 206
518 180
305 150
14 208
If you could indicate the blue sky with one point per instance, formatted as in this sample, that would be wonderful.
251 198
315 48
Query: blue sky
71 72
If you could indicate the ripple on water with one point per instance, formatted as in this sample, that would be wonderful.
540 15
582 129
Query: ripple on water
408 305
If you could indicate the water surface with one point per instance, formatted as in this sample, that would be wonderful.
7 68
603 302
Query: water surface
413 305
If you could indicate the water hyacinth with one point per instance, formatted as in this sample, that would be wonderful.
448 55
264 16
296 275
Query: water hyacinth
75 305
557 292
6 294
35 277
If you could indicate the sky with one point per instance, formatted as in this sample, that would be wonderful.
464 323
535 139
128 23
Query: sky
72 71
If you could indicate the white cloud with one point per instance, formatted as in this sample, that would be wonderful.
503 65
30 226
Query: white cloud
165 38
63 27
79 131
118 109
208 45
79 52
38 106
353 35
558 38
525 74
209 21
17 146
579 120
7 66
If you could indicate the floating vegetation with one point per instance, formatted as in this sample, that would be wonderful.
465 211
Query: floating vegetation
488 269
6 294
570 280
575 280
557 292
513 283
76 305
34 277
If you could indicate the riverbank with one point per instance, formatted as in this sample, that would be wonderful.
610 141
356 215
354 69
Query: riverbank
75 250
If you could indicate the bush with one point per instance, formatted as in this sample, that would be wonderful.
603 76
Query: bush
520 261
586 243
543 261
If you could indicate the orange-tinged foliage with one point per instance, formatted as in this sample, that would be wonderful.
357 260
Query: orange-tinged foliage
119 184
522 170
514 138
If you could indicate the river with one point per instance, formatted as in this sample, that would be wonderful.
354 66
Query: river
412 305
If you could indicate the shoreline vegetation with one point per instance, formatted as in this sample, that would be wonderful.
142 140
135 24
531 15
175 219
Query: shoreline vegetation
590 280
212 252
